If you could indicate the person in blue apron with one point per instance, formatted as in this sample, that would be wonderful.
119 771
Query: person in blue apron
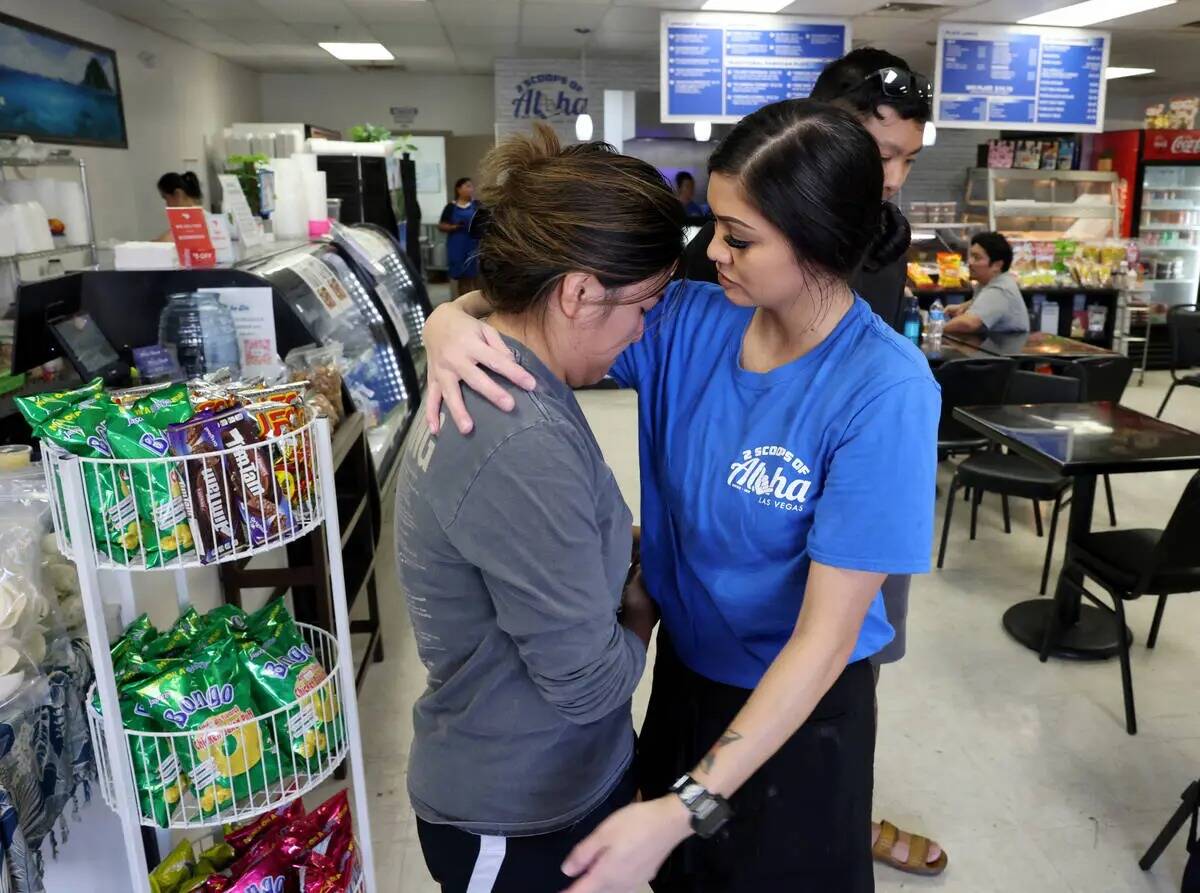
462 248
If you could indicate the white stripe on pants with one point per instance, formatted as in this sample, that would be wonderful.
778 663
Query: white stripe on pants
487 865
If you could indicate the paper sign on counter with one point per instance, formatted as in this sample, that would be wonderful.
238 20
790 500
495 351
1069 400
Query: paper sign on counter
254 319
234 201
189 228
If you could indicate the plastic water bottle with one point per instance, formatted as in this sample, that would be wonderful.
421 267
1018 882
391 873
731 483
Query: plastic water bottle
937 322
912 321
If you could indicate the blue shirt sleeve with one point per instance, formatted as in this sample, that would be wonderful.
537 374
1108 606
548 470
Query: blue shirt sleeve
876 510
685 305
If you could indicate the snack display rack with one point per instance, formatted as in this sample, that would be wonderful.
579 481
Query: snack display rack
325 714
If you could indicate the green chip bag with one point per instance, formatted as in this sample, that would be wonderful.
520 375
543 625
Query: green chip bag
179 639
166 406
133 640
285 673
83 431
222 622
205 699
157 486
40 408
219 855
270 620
171 873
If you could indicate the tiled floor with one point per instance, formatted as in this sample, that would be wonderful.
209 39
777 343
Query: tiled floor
1023 770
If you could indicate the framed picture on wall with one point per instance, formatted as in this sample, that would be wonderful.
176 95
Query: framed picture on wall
56 88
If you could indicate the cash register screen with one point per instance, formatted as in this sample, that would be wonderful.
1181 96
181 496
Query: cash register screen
85 345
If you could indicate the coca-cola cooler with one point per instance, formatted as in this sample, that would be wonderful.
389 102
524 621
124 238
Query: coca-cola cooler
1159 172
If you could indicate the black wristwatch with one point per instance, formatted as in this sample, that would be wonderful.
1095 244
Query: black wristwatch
709 811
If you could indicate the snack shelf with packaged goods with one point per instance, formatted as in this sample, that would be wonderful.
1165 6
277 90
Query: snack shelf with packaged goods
284 744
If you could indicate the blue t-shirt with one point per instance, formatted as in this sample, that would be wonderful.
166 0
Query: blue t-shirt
747 477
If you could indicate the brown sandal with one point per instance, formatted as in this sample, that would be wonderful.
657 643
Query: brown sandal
918 850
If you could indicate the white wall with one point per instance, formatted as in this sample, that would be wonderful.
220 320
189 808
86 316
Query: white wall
170 108
461 104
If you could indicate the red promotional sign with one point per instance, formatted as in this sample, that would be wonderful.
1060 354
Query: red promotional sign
1172 145
189 228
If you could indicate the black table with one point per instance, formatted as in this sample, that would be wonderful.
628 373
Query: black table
1081 441
949 349
1031 346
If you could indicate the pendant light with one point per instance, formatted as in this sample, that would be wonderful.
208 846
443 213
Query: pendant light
583 123
702 131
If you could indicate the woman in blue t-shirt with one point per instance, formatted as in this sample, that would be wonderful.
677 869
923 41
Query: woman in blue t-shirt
788 454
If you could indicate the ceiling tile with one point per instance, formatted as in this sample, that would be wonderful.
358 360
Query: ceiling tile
483 37
557 15
564 39
258 32
411 55
410 35
632 18
331 12
317 32
188 30
475 57
499 13
140 10
215 10
391 12
685 5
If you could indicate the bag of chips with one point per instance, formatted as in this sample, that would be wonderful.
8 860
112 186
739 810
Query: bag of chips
286 674
169 875
40 408
157 486
178 640
136 636
83 431
274 873
230 758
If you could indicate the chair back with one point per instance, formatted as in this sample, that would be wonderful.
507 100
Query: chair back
972 382
1034 387
1101 377
1177 547
1183 325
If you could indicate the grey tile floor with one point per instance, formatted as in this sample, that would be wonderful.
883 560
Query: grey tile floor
1022 770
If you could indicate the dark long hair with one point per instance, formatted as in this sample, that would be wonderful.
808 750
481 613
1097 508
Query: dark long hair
187 181
554 209
815 173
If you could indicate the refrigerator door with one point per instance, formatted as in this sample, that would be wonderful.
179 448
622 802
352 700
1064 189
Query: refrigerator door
1169 230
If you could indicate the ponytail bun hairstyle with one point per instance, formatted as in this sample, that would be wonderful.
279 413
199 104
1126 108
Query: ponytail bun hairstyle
816 174
552 210
188 182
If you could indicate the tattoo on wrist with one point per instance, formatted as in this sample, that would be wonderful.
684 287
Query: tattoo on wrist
710 758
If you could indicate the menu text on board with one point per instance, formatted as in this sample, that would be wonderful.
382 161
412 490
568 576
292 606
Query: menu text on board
1015 77
722 66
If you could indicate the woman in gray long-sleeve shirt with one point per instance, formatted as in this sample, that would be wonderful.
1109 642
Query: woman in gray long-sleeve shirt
514 541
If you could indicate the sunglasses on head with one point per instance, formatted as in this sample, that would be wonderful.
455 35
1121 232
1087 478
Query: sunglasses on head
898 83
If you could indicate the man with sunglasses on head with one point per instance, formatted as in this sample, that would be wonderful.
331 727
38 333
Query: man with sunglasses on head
893 103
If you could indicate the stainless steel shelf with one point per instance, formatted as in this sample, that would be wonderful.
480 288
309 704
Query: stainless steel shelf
52 252
1015 208
1073 176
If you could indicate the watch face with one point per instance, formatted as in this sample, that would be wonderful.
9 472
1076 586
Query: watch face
692 792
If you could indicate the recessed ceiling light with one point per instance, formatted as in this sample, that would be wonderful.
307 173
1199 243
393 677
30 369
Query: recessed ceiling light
745 5
358 52
1116 71
1079 15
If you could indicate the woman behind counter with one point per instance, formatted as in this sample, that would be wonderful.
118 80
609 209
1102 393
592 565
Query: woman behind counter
462 248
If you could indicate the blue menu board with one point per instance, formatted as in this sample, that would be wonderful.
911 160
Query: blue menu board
1016 77
721 66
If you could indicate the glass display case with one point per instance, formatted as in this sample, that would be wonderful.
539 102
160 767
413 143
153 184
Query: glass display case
1045 204
1169 231
331 302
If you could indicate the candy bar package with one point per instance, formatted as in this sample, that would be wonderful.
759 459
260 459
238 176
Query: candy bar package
207 493
274 873
243 837
264 508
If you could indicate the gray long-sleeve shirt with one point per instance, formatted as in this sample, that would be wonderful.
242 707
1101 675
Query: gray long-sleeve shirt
513 546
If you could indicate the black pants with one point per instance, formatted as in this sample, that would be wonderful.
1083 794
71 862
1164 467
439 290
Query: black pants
802 823
512 864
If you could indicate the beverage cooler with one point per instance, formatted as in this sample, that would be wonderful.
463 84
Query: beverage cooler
1159 172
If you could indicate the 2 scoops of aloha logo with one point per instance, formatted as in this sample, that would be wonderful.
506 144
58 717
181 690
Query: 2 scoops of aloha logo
550 97
774 475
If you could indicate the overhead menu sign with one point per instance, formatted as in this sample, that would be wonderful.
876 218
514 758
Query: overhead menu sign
721 66
1014 77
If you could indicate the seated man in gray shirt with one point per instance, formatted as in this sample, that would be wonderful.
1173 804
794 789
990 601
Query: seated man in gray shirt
998 306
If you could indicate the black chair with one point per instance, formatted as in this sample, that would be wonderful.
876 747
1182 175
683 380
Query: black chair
1128 564
975 382
1011 475
1102 378
1183 327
